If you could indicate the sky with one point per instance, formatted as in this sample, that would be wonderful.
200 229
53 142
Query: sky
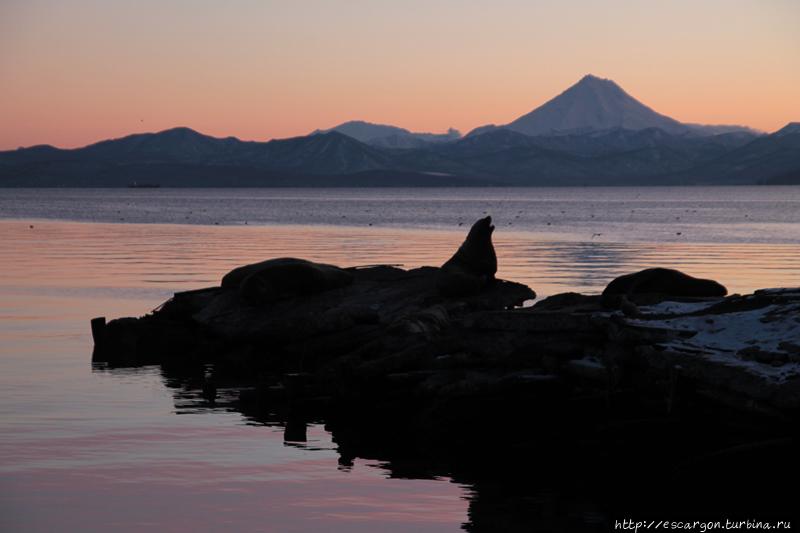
76 71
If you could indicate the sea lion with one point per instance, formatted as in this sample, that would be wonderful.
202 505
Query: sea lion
474 264
661 282
274 279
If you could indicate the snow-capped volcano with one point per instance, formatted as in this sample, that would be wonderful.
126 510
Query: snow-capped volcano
593 104
597 104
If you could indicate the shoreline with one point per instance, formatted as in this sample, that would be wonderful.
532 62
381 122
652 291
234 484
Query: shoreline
576 389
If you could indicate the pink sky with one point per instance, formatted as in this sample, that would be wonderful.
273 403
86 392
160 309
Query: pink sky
78 71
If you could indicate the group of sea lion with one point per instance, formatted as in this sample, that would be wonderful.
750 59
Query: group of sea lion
474 266
470 269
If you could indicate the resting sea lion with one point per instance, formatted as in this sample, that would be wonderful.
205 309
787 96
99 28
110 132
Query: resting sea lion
662 282
273 279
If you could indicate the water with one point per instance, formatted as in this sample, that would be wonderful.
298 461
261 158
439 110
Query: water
89 449
643 214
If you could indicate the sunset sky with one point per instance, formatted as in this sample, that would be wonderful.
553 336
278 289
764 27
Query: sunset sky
76 71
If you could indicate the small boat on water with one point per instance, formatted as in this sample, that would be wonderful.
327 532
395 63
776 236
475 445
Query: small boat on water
137 185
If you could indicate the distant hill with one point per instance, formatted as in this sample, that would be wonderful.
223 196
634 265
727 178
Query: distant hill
594 133
390 136
771 159
616 156
183 157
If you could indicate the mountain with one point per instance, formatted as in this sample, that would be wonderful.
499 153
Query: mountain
593 104
596 104
594 133
389 136
176 144
183 157
326 153
611 157
773 158
792 128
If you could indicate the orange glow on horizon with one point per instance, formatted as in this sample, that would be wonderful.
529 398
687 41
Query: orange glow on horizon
78 73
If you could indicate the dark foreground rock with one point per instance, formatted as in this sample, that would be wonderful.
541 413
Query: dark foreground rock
445 368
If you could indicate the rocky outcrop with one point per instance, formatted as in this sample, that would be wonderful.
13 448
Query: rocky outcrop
295 314
452 365
457 329
391 331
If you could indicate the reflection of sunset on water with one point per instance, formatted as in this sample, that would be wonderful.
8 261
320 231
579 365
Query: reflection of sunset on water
103 449
149 261
117 446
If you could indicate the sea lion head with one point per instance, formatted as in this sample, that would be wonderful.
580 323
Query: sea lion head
481 229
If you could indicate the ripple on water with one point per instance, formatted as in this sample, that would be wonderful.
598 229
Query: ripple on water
96 447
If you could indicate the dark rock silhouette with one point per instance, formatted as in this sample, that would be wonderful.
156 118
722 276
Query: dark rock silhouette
209 391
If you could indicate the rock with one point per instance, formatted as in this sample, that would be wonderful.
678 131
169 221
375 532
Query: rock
789 347
275 279
628 308
427 321
663 282
474 264
458 331
763 356
588 369
569 301
209 391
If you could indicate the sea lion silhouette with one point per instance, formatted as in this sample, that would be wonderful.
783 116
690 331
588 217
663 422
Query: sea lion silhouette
473 265
661 282
284 277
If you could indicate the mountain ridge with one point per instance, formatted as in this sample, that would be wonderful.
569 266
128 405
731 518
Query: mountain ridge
596 104
593 133
500 157
389 136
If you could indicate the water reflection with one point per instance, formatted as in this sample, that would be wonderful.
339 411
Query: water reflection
149 262
97 448
583 484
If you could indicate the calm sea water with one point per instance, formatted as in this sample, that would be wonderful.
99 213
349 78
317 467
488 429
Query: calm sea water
88 449
621 214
